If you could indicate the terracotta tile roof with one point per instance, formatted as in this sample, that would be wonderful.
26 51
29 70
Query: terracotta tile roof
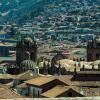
88 72
65 79
23 85
86 88
60 89
26 75
54 92
40 80
6 92
6 76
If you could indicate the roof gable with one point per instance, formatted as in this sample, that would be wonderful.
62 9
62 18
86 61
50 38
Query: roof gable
61 90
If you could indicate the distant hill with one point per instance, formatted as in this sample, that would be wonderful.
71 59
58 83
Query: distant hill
15 10
21 10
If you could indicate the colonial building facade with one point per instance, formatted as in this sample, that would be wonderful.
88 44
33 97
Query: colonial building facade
26 50
26 55
93 49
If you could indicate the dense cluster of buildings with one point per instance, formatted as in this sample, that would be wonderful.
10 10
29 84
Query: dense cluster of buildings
58 24
48 58
32 77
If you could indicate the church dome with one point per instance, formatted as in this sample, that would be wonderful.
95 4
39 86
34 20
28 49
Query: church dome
56 58
28 40
28 64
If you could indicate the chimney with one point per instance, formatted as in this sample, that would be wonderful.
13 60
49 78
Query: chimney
36 70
